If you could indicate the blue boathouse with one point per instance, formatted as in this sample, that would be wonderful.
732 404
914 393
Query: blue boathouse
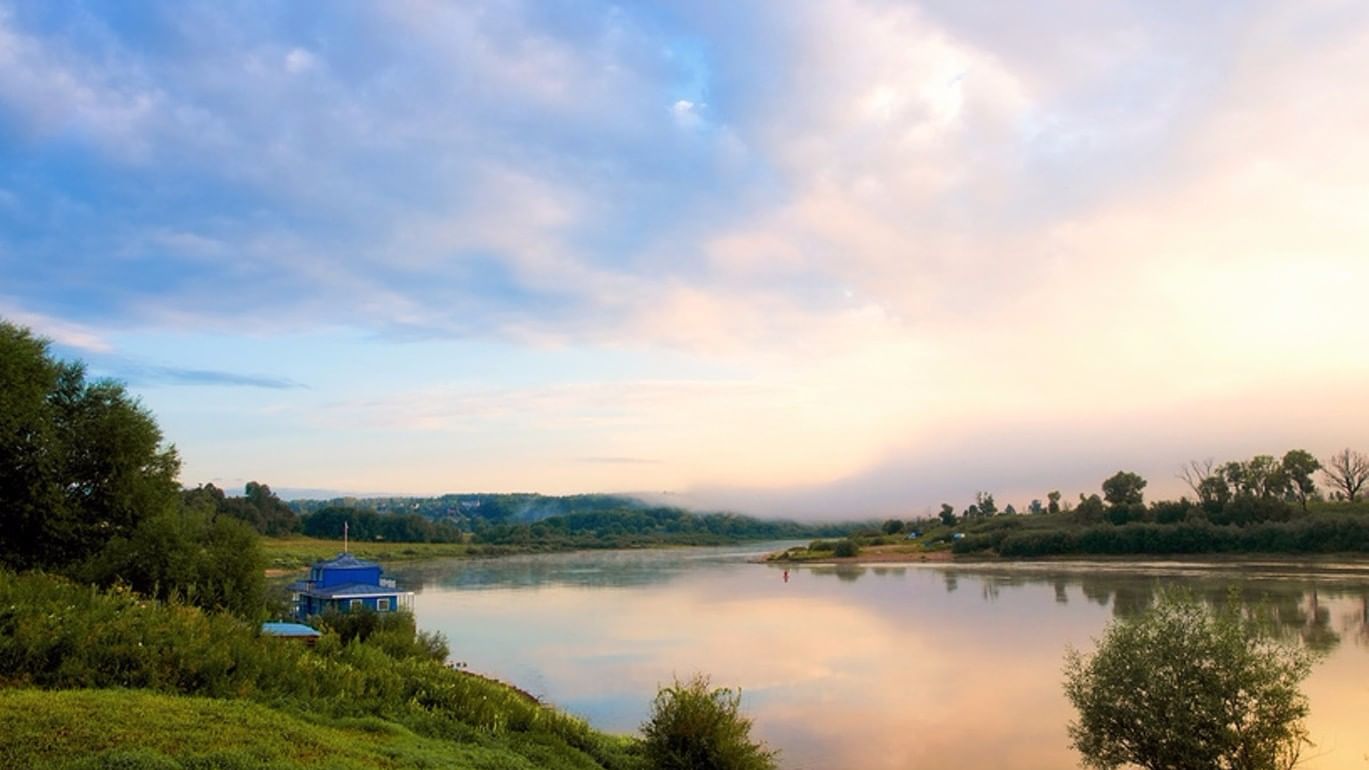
347 584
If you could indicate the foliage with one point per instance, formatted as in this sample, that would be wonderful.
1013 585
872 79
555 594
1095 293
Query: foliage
394 632
1090 509
87 489
1298 467
640 526
846 548
1264 504
181 553
142 730
695 727
1316 533
363 524
259 507
81 461
1123 488
55 634
1182 687
295 552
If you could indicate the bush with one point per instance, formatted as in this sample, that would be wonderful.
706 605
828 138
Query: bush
694 727
394 632
55 634
846 548
1180 686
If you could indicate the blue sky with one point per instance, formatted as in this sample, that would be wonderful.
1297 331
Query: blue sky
825 258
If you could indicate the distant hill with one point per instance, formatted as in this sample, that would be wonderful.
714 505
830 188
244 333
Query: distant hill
466 509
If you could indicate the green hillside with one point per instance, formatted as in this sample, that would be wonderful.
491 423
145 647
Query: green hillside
141 730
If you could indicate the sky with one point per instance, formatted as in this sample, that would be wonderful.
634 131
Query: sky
821 259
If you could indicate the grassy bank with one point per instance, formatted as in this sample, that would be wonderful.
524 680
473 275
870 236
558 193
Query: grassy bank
57 636
862 548
141 730
297 552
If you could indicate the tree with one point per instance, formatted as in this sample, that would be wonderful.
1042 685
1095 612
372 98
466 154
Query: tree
1053 501
1009 510
1197 475
1262 476
1123 488
984 502
947 515
1180 687
81 462
1348 471
184 553
1298 467
892 527
1035 507
695 727
1090 510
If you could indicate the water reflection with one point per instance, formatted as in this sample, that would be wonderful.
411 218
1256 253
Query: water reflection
1293 605
880 666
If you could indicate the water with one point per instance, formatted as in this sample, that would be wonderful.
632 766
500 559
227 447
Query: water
930 666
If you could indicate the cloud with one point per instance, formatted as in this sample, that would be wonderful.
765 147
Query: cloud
884 227
617 460
298 60
73 335
147 374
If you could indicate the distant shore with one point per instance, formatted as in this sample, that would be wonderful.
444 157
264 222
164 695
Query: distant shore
868 555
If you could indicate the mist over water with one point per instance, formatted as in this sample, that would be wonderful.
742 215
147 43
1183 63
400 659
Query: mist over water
874 666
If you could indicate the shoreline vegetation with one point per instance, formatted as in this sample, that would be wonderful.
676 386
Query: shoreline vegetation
1261 506
126 595
131 615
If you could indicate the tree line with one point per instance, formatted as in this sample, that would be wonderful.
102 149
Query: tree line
89 489
1262 504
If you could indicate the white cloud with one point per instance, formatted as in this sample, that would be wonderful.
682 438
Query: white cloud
55 92
63 332
298 61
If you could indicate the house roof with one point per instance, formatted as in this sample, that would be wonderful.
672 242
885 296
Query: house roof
353 590
345 560
288 629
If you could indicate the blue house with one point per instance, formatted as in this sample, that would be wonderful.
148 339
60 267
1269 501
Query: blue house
347 584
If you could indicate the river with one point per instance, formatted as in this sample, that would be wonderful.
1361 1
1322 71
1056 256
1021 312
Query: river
928 666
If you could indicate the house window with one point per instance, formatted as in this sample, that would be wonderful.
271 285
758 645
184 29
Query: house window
355 604
382 605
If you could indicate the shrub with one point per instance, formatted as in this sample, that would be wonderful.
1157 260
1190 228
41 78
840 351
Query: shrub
845 548
394 632
55 634
695 727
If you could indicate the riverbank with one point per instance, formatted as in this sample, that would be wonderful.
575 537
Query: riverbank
176 686
874 554
286 554
1333 564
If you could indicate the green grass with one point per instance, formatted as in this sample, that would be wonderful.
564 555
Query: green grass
297 552
140 730
61 636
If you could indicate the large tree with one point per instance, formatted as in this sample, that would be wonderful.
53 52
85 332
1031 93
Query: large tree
81 461
1123 488
1298 467
1347 471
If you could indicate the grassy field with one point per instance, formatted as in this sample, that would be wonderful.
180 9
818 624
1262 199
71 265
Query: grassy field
140 730
298 552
